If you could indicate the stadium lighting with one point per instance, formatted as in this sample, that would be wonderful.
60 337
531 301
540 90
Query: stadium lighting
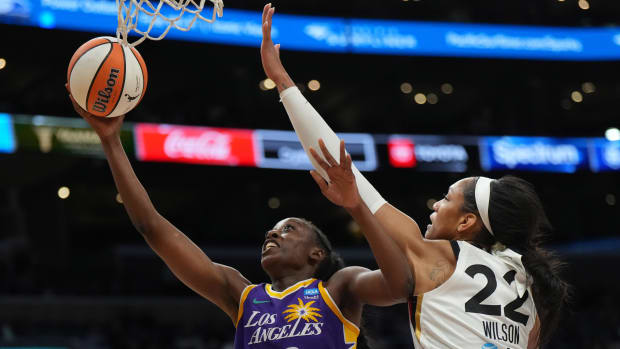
610 199
406 88
447 88
584 5
63 192
354 228
267 84
430 203
419 98
273 203
432 98
314 85
588 87
612 134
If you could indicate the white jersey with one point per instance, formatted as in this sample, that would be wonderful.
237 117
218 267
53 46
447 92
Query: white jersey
478 307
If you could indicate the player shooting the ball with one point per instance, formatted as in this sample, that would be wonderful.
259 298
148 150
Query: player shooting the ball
311 301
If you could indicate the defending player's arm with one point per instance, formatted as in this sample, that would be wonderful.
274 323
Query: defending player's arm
310 127
534 336
220 284
394 283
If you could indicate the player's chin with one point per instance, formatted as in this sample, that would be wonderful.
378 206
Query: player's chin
433 234
428 234
268 259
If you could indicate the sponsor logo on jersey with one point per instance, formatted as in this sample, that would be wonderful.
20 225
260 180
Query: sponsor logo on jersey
311 293
489 346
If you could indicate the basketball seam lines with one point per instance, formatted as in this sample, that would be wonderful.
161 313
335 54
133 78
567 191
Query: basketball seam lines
97 72
142 70
77 60
124 79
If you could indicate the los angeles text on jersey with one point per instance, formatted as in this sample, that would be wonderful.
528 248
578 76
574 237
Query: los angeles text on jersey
501 332
264 332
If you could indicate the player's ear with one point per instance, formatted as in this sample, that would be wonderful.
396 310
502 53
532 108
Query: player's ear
316 255
467 222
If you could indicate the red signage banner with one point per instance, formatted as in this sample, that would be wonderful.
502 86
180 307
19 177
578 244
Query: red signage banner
198 145
402 152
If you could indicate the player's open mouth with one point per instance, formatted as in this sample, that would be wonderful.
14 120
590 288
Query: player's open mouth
269 245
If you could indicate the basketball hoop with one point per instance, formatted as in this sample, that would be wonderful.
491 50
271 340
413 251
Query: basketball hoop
129 16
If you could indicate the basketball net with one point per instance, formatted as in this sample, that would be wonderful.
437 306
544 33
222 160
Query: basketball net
129 15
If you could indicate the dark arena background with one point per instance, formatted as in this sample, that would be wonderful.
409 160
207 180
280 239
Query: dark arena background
433 92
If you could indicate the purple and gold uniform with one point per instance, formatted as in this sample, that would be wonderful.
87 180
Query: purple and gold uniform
303 316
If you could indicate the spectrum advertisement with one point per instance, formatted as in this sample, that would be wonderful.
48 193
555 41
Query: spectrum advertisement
331 34
533 154
604 155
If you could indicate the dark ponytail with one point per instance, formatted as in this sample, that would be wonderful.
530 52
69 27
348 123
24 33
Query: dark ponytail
519 222
328 266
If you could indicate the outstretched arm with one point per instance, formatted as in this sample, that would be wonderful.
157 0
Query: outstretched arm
220 284
307 123
342 191
310 127
270 54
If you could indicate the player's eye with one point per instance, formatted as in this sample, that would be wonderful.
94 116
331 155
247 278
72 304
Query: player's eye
287 228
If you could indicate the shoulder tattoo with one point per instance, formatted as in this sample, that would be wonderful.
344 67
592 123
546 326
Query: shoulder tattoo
439 272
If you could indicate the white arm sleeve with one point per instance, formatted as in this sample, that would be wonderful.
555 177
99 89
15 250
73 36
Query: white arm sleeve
310 126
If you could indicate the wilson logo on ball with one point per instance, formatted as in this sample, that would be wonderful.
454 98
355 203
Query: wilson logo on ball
104 76
102 101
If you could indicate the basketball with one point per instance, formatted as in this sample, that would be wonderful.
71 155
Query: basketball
106 78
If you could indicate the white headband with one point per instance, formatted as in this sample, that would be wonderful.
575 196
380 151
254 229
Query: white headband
483 193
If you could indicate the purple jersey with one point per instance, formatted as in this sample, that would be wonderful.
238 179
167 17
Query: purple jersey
303 316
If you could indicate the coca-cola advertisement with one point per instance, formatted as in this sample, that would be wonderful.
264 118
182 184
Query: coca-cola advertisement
199 145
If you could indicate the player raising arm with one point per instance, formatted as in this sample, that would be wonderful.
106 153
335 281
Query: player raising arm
471 287
311 302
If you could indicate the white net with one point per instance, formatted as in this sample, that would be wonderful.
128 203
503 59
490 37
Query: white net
142 16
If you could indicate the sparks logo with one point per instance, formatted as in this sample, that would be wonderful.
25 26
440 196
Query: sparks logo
302 311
